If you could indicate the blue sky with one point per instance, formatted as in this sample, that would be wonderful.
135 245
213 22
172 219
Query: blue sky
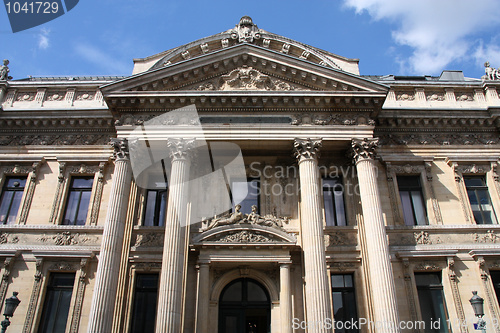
400 37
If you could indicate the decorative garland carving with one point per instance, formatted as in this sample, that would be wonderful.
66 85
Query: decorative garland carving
245 237
80 291
4 283
442 139
343 266
66 238
61 266
150 239
148 266
96 202
489 237
35 294
422 238
306 149
427 266
56 140
363 149
456 294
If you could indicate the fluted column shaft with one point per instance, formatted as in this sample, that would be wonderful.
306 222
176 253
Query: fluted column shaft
285 299
203 298
169 313
316 276
379 263
106 280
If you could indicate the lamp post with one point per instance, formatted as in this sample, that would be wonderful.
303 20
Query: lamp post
477 303
11 304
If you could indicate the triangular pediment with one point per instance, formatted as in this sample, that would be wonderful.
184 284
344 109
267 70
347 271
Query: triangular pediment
244 67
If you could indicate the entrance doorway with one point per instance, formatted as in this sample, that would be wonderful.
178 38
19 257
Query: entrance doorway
244 307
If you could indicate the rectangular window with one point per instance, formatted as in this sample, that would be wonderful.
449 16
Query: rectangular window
412 199
333 199
10 200
431 299
344 300
144 308
57 303
246 193
78 201
495 279
155 208
479 199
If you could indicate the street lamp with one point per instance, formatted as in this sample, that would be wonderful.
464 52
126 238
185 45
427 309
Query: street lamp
11 304
477 303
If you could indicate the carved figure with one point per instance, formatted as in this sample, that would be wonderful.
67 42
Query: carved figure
4 71
246 31
491 73
235 217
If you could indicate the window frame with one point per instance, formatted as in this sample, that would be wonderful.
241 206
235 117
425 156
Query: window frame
5 189
249 180
44 300
410 189
157 207
340 183
71 190
66 173
133 296
475 188
432 287
352 289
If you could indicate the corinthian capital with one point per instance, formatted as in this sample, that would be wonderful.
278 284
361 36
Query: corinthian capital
305 149
180 148
363 148
120 146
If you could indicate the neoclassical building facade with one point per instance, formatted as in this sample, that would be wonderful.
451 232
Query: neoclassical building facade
249 183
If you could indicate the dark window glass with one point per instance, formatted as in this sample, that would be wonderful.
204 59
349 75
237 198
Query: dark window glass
10 201
144 308
155 207
495 279
244 306
431 299
78 201
57 303
479 199
344 300
333 199
410 192
250 187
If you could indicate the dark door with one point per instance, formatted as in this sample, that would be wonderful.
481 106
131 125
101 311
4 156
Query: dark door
244 307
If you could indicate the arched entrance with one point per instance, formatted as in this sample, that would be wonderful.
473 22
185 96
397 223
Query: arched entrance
244 307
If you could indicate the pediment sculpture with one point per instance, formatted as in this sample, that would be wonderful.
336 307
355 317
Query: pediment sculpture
237 217
247 78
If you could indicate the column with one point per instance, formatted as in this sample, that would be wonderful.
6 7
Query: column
378 257
316 276
285 298
203 298
106 280
169 313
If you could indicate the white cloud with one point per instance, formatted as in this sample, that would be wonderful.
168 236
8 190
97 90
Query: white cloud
43 39
438 31
105 61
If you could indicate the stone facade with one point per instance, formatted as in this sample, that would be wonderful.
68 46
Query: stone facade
298 114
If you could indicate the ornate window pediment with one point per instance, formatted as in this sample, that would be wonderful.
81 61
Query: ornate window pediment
244 234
